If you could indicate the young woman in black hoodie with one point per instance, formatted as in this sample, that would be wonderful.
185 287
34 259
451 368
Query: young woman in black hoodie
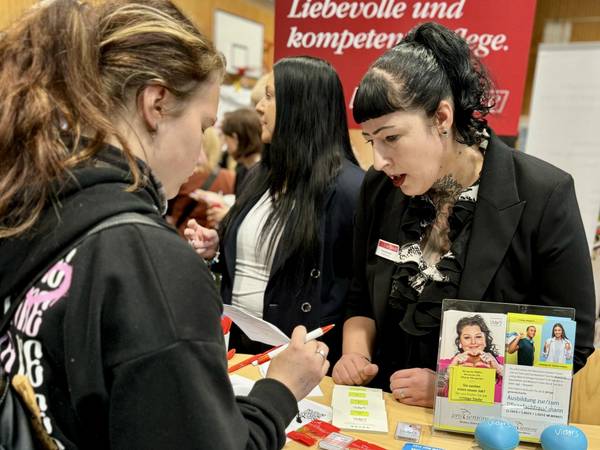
119 337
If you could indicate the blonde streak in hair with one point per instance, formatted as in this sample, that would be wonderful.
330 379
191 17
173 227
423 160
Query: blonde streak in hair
147 28
137 8
157 22
162 18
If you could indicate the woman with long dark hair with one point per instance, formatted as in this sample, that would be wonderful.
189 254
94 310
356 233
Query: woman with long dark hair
284 245
467 216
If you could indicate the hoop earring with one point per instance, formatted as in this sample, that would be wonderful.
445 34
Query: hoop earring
444 132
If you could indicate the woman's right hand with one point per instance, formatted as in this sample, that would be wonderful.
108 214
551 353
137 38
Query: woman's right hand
354 369
204 240
302 365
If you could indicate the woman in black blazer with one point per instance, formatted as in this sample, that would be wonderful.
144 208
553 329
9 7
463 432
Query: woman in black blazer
449 211
295 215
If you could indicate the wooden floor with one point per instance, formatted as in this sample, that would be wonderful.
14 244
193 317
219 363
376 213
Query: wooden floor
585 402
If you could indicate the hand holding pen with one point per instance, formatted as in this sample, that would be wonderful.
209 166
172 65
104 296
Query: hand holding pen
272 353
301 365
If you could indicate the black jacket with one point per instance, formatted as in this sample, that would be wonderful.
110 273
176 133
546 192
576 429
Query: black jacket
527 242
121 340
318 298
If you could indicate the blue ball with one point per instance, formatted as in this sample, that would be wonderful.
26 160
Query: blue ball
563 437
497 434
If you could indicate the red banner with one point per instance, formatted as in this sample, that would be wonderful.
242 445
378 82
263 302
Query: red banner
351 34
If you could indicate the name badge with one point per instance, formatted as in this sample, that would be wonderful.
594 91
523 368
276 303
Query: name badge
388 250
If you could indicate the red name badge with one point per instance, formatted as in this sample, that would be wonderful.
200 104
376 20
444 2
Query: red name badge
388 250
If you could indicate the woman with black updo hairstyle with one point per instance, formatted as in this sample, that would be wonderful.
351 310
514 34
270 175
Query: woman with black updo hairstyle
449 211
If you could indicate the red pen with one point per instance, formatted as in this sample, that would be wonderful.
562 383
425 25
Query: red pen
248 361
270 354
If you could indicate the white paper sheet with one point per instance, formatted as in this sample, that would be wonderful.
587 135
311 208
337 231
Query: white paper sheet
256 329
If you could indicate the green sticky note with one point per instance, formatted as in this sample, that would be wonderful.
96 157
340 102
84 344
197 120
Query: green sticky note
357 394
359 413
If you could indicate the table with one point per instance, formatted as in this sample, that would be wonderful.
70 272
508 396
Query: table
399 412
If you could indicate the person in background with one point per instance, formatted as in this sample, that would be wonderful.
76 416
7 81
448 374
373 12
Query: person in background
284 247
524 345
256 94
449 211
120 339
241 131
208 176
558 348
242 134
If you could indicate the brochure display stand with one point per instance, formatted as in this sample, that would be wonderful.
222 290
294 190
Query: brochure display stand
504 360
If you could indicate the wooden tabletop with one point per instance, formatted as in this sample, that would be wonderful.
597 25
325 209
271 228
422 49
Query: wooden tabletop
398 412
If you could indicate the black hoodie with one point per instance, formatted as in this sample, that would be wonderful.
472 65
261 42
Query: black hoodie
121 338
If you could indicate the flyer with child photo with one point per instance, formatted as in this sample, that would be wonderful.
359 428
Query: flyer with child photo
506 365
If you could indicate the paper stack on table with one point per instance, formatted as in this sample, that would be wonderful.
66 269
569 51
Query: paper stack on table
359 408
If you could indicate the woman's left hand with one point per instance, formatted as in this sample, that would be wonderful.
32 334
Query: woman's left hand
414 386
488 358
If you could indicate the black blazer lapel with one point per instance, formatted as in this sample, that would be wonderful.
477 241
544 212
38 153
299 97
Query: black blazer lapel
390 231
495 221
